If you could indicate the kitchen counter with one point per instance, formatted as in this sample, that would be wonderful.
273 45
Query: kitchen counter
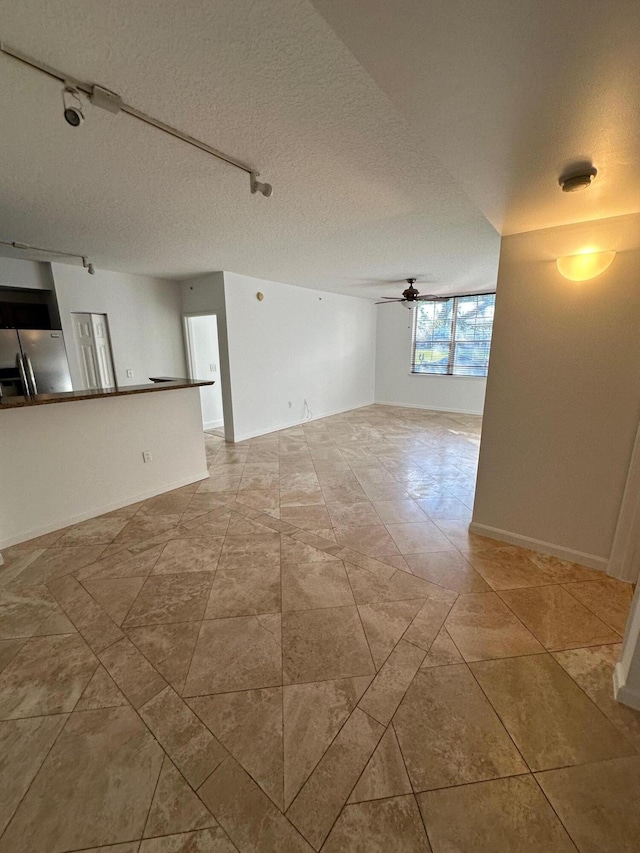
164 384
64 464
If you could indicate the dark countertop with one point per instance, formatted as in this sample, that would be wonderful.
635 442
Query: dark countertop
166 384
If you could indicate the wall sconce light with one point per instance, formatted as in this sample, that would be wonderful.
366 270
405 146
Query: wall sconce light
586 265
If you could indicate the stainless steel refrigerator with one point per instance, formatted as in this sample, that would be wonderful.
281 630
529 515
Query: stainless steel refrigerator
33 361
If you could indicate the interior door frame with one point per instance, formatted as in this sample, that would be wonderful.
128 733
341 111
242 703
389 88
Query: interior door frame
188 341
188 346
624 560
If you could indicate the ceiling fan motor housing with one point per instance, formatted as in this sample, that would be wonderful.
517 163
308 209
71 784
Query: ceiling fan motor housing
411 293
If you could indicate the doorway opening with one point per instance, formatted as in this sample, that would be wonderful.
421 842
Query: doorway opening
93 345
203 359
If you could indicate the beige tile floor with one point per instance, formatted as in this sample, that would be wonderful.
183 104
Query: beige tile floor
309 651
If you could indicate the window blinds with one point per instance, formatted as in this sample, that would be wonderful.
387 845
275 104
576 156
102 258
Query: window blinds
453 336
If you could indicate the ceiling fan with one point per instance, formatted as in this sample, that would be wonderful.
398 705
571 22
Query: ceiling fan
411 295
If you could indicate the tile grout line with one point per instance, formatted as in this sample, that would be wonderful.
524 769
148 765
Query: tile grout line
153 795
551 654
593 702
55 740
333 442
495 710
331 742
346 801
372 718
136 710
412 680
99 606
553 809
123 578
355 604
531 631
598 580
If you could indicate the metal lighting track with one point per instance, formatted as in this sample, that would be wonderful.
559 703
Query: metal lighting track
112 102
25 247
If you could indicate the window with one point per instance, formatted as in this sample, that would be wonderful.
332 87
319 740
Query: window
452 336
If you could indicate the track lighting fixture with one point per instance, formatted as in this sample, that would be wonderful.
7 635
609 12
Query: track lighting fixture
112 102
72 105
105 99
258 187
49 254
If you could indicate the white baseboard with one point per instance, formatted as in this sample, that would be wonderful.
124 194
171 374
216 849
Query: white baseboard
259 433
428 408
212 424
622 692
83 516
589 560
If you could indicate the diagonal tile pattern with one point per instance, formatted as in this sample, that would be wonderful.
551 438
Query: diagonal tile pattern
249 724
94 787
385 775
509 814
47 676
175 807
309 651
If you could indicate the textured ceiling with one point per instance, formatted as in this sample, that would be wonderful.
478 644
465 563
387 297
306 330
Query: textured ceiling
357 199
393 133
507 93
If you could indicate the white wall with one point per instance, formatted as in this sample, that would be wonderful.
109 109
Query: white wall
65 462
295 345
144 321
563 392
15 272
204 294
202 333
395 384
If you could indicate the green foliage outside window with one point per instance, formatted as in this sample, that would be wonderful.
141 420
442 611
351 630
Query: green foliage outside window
453 336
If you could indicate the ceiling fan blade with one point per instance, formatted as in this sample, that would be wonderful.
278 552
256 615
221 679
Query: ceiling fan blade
432 298
389 300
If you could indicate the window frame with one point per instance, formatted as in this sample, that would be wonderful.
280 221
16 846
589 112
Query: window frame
452 342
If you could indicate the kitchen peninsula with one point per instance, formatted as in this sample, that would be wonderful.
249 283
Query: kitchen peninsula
62 464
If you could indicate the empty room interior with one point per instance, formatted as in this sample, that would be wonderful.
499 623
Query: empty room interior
320 426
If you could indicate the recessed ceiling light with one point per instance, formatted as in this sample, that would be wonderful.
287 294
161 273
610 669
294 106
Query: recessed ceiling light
574 181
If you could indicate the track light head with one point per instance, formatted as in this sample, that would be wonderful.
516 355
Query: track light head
258 187
72 106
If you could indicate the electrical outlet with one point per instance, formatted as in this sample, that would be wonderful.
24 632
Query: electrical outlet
212 368
129 374
146 456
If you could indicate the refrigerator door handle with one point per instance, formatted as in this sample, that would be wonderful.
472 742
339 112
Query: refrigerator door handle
23 375
32 378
